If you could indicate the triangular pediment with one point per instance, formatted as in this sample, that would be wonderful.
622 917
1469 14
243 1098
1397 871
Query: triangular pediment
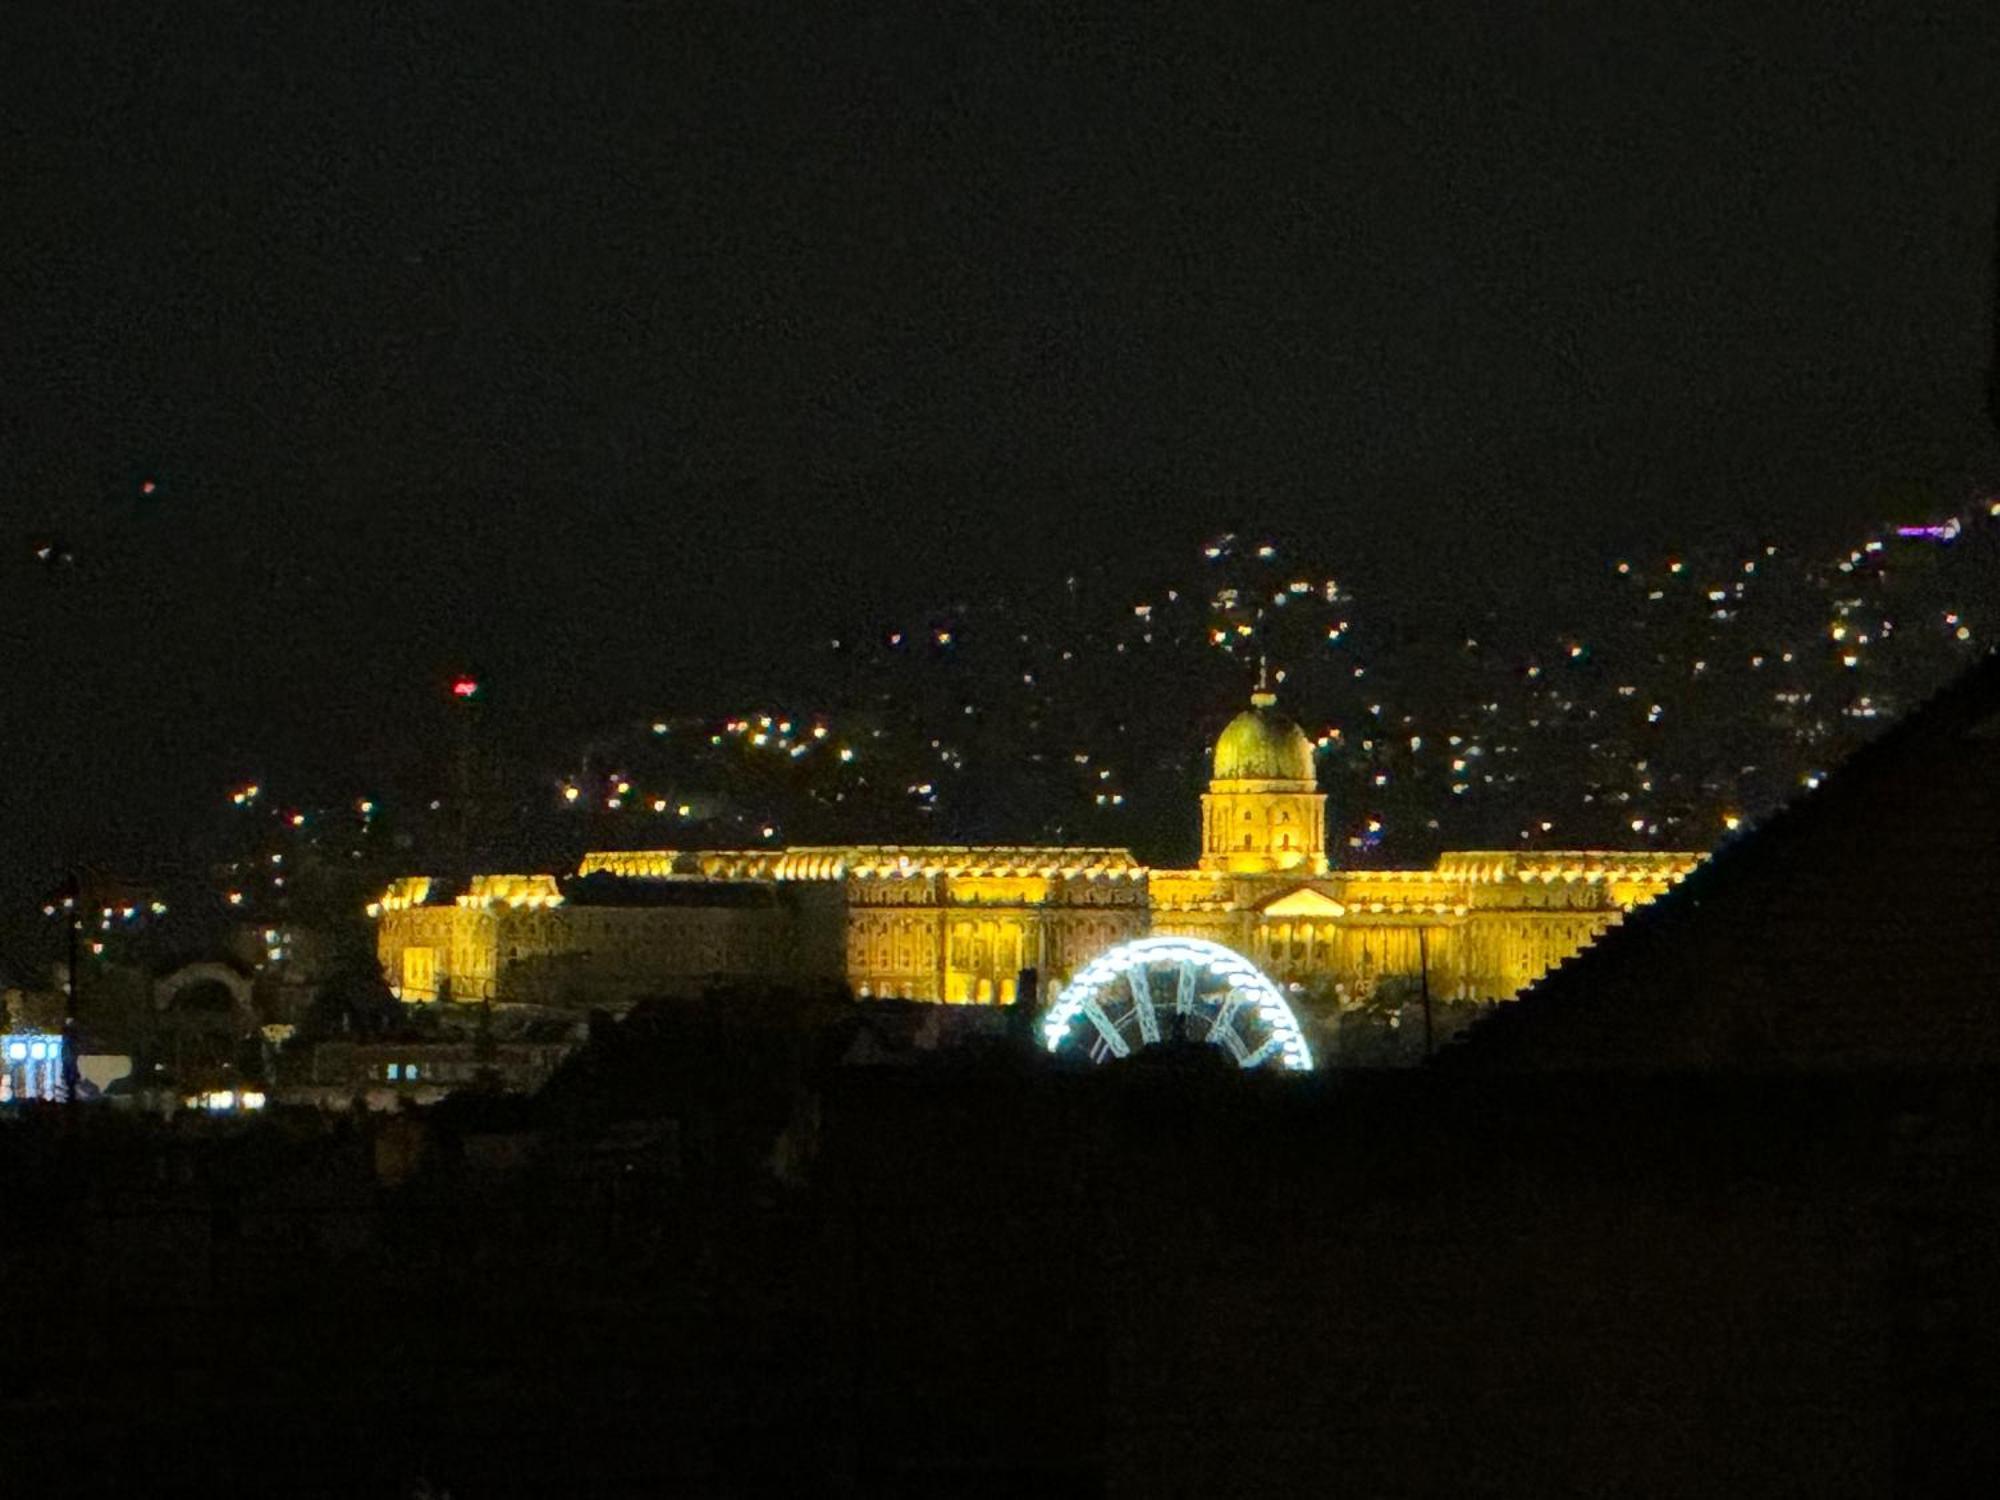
1304 902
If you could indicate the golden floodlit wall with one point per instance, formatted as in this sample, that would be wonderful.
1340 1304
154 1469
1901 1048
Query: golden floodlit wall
958 923
1477 926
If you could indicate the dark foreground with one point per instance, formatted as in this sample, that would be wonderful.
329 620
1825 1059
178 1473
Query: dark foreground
999 1280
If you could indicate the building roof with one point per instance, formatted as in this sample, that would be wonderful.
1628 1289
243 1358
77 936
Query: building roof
1854 929
1262 744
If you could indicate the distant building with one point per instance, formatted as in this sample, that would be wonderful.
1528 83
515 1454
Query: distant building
423 1070
958 924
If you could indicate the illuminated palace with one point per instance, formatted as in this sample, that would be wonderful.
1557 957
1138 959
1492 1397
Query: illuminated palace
959 924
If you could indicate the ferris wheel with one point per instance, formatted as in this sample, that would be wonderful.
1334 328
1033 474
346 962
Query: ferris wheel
1146 991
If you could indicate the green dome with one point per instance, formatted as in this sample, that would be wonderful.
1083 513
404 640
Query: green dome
1261 744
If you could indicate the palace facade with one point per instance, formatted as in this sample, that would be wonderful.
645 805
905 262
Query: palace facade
959 924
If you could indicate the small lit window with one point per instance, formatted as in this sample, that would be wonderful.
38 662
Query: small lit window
395 1071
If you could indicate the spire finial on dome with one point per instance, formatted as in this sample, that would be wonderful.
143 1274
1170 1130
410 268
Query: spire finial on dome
1262 696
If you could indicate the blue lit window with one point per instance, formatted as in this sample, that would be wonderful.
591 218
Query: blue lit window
395 1071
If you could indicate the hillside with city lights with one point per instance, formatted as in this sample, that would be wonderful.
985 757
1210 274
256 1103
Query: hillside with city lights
1687 697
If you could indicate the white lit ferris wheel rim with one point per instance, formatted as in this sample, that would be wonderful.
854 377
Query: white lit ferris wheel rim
1245 988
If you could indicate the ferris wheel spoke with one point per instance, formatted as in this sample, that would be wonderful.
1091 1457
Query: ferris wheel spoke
1270 1049
1142 1002
1106 1028
1226 1038
1225 1015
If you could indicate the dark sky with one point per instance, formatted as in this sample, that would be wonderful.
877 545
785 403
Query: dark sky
615 346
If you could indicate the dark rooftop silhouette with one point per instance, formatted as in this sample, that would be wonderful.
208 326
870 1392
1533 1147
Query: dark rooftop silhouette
1855 929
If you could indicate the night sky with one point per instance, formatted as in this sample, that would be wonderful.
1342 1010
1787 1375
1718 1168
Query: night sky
620 348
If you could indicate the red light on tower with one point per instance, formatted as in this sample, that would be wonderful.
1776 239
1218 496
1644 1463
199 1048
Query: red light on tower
465 687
